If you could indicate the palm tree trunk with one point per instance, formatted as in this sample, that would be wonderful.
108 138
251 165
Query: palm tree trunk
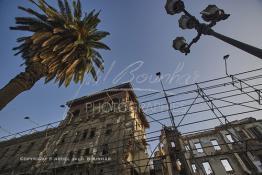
22 82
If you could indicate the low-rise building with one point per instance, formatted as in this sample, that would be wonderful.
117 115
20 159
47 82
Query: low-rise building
234 148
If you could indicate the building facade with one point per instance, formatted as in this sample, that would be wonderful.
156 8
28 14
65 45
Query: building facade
103 133
234 148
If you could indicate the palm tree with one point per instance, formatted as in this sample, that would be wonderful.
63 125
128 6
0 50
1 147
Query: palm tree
63 46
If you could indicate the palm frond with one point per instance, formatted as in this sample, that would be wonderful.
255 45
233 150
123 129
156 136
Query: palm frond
22 39
49 6
98 63
61 7
52 40
41 38
98 35
92 20
93 73
62 40
68 11
77 9
32 12
98 45
50 77
25 28
68 79
62 44
32 21
98 55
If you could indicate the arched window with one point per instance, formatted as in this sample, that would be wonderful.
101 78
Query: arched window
78 155
84 134
87 152
105 149
77 134
92 133
70 156
108 129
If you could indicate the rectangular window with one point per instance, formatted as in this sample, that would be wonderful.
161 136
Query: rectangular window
77 134
187 147
255 131
107 107
242 134
247 161
105 149
199 147
260 158
226 165
230 138
89 108
70 156
63 138
87 151
173 144
84 134
108 129
215 144
116 100
78 155
207 168
92 133
194 168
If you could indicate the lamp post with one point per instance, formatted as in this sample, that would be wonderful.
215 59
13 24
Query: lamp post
212 14
183 169
158 74
225 58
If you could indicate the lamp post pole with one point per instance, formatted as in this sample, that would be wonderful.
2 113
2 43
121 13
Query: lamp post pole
212 14
243 46
177 138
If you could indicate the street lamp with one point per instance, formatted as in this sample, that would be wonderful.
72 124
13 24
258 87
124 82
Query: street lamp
174 6
180 44
62 106
225 59
187 22
212 14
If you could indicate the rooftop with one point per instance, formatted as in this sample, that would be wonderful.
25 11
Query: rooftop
125 87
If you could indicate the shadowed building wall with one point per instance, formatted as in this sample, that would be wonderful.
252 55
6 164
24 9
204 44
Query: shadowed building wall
103 133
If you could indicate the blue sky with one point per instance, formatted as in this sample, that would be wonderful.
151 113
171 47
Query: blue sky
141 39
